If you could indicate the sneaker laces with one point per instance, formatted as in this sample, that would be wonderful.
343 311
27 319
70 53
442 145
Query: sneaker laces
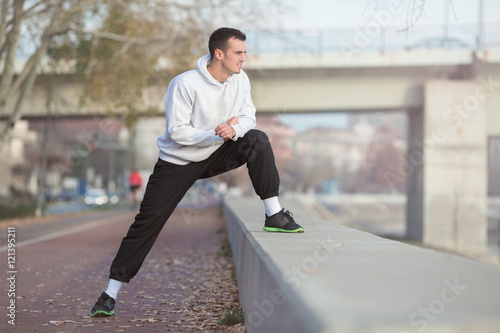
100 301
289 215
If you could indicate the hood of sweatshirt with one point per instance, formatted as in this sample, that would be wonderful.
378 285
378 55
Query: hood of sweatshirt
201 66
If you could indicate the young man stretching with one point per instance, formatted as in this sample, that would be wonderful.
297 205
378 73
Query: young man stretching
209 130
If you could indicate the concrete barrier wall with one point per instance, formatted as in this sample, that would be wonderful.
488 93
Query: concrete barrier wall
337 279
269 304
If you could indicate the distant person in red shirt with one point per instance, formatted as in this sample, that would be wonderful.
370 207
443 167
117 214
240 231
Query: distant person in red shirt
135 180
135 183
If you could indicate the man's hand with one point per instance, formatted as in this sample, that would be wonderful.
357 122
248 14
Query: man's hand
232 121
225 130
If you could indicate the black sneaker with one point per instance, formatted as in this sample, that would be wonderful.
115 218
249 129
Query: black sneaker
104 306
282 222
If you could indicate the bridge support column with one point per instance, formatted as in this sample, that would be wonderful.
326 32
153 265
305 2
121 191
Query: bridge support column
446 167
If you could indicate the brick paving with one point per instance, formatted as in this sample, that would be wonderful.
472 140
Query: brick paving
185 284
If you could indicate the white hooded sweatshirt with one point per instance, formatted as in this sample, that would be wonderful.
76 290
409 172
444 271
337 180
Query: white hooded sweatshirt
195 104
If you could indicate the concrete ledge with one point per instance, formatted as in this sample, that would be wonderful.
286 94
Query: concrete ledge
337 279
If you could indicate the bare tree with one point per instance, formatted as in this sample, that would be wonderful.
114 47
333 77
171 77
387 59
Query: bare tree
15 86
414 10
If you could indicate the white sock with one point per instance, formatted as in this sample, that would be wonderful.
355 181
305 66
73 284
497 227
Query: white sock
113 288
272 206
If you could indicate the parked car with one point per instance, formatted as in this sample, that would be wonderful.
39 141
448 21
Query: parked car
95 197
68 195
116 197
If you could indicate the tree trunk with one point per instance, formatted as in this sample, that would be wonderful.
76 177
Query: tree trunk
12 98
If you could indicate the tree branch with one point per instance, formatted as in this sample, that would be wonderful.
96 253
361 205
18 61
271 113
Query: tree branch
3 24
12 45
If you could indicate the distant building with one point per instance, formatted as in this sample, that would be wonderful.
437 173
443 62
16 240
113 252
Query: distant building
314 159
15 169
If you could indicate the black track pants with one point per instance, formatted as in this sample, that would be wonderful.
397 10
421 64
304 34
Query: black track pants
169 183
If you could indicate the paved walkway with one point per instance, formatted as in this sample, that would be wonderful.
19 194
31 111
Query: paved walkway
184 285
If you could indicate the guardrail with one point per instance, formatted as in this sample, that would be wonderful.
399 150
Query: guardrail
372 37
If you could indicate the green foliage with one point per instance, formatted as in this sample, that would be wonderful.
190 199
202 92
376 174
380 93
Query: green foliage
232 316
16 208
225 251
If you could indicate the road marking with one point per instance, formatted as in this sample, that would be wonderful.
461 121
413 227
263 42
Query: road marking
64 232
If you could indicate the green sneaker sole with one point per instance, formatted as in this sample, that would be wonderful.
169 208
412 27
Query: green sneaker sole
103 313
298 230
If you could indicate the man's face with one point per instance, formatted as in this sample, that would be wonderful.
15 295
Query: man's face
234 56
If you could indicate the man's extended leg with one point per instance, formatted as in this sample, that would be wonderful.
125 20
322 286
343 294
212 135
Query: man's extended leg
166 187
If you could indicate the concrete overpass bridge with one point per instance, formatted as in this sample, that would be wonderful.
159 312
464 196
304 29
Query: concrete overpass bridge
451 97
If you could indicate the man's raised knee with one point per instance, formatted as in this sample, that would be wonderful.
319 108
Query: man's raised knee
257 135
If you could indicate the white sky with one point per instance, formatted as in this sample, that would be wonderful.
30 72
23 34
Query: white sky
313 14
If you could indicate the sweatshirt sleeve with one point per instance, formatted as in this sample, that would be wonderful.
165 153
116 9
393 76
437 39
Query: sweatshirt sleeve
178 108
246 115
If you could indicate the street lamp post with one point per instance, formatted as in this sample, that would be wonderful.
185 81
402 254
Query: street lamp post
43 163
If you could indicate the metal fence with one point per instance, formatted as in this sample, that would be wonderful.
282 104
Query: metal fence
372 38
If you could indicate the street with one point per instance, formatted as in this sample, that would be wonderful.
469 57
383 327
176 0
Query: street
61 266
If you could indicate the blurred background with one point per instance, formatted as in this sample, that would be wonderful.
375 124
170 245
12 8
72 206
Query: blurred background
369 105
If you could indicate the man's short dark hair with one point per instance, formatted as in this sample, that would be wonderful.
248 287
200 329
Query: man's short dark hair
220 39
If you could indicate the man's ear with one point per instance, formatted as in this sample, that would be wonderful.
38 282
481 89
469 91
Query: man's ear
218 54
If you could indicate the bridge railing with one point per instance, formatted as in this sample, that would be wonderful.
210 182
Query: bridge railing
372 37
